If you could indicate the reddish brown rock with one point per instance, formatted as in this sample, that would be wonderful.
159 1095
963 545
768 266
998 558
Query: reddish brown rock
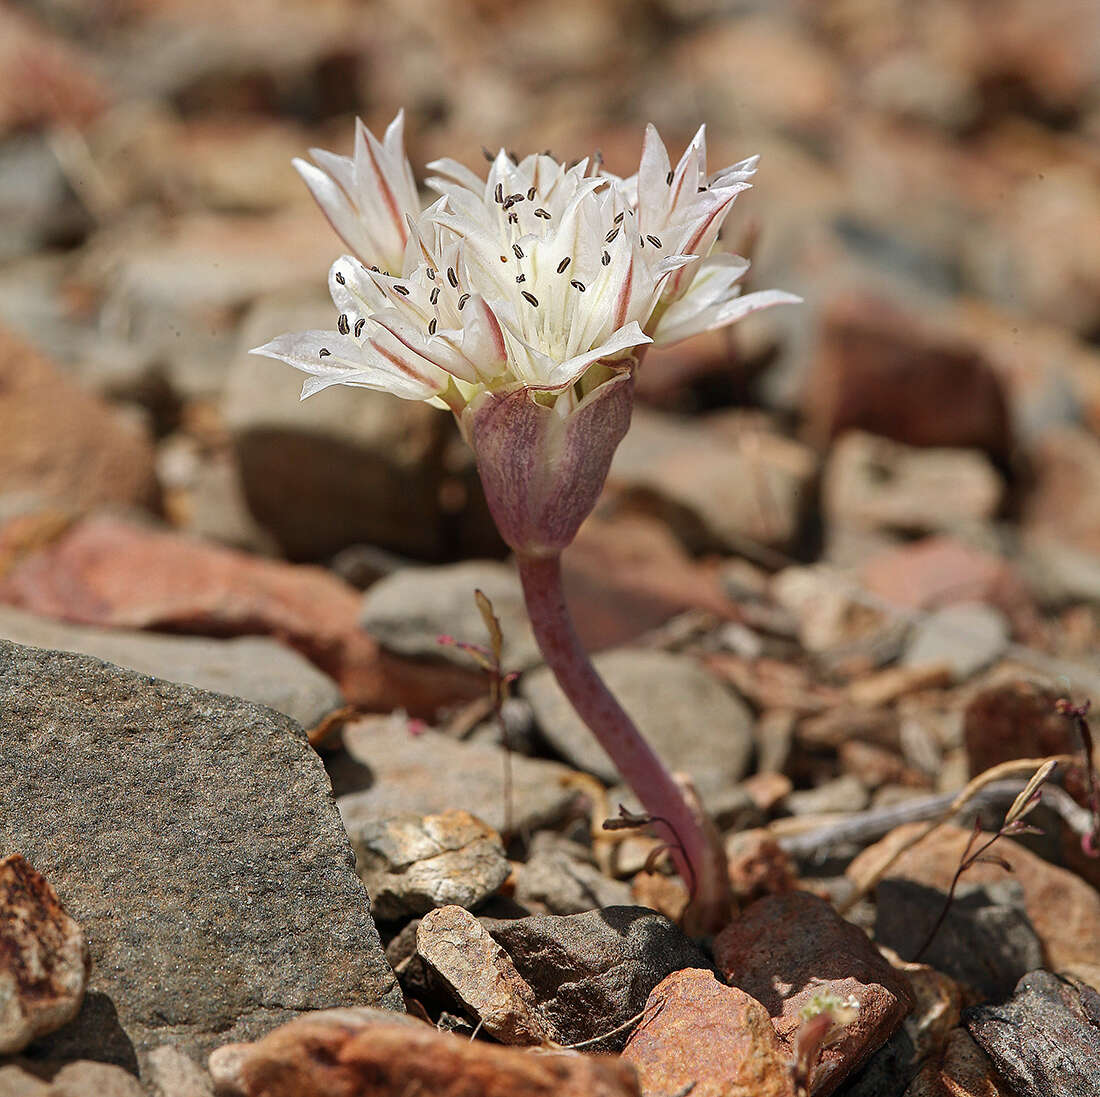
758 866
369 1054
695 1030
43 957
1064 910
961 1069
107 571
786 949
1014 720
627 574
880 371
43 79
63 445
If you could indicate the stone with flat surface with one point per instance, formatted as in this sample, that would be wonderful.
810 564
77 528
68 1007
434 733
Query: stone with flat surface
195 839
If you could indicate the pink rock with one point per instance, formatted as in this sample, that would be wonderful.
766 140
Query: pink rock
881 371
940 571
365 1053
695 1029
786 949
627 574
108 571
1014 720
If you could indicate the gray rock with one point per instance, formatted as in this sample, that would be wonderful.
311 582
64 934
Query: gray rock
395 771
252 667
37 205
16 1082
1046 1039
519 733
194 837
986 940
412 864
878 484
887 1072
170 1073
1059 573
842 794
717 483
91 1079
694 722
560 877
592 972
967 636
408 611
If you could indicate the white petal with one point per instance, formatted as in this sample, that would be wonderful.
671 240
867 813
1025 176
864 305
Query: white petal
565 373
671 330
335 205
454 173
348 363
653 190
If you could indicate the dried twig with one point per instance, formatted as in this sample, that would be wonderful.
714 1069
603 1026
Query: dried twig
1090 842
995 773
803 836
490 660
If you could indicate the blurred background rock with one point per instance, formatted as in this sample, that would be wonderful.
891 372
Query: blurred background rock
930 183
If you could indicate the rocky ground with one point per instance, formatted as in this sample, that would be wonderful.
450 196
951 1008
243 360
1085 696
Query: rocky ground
847 562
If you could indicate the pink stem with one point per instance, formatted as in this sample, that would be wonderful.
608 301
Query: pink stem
693 853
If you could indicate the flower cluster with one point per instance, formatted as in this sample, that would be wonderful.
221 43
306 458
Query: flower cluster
530 275
521 301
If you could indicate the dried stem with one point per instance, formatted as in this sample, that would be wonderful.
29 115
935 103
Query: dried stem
968 858
1079 714
491 660
995 773
694 855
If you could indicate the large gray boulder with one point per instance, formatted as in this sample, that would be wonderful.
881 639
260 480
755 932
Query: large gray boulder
195 838
256 668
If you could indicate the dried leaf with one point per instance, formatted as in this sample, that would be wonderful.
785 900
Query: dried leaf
492 625
1029 796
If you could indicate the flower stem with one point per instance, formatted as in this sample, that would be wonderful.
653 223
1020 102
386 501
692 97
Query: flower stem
696 854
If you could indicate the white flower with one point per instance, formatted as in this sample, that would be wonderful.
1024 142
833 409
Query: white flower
367 197
532 292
